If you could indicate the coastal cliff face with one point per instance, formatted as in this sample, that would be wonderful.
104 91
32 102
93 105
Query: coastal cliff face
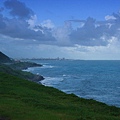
4 58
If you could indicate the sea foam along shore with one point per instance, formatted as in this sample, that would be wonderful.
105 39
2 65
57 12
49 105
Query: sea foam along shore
26 65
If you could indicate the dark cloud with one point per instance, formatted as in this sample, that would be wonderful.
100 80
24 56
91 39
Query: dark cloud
19 27
2 24
18 9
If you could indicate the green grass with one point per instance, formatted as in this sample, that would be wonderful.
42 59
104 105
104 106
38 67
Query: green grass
25 100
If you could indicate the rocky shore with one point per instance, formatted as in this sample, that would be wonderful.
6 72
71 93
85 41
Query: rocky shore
16 70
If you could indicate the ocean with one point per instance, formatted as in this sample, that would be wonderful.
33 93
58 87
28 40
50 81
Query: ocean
98 80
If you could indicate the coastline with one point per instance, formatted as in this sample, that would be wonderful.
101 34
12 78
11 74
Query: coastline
25 65
22 99
36 77
57 79
16 69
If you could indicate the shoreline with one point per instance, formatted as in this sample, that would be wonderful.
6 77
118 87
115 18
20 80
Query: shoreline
109 103
26 65
22 99
32 76
16 69
37 77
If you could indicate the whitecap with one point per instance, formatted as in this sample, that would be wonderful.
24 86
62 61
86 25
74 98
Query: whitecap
64 75
47 66
51 81
29 69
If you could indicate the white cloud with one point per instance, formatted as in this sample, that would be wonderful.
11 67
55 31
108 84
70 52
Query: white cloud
48 24
61 34
109 17
32 21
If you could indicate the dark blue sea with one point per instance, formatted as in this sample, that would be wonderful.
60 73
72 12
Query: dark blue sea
98 80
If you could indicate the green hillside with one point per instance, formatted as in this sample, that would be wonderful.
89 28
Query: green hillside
24 100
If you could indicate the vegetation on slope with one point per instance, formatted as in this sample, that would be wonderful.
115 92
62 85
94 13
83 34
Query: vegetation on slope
25 100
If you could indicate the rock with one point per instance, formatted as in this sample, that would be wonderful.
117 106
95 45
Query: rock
38 78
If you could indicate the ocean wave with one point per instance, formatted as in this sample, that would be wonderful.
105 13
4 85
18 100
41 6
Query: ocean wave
47 66
30 69
51 81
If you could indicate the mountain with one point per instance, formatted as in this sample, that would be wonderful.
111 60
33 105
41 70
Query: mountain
4 58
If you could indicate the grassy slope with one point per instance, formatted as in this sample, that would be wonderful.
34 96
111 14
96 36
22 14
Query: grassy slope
24 100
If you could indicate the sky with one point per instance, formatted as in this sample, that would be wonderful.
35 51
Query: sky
72 29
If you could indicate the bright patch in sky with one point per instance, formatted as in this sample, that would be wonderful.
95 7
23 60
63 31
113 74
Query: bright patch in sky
75 29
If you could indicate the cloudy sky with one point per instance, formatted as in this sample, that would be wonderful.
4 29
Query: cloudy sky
75 29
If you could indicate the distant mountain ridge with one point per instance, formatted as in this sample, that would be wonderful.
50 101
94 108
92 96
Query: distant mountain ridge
4 58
